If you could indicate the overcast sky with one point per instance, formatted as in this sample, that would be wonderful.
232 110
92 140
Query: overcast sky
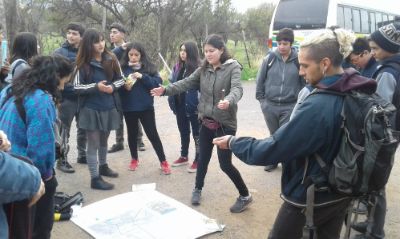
243 5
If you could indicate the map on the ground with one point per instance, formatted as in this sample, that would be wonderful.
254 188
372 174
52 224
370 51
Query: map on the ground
143 214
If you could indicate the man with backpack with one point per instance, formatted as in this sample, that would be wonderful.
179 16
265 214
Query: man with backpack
311 141
385 48
69 102
278 83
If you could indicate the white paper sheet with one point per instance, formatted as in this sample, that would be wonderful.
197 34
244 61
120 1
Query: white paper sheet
143 214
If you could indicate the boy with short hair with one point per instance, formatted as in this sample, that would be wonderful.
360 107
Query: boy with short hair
69 103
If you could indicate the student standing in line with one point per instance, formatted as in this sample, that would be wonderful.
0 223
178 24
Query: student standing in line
184 105
69 102
24 47
218 80
96 82
279 83
385 48
362 58
28 117
138 104
117 38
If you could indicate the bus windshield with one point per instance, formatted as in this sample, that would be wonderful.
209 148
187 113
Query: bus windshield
301 14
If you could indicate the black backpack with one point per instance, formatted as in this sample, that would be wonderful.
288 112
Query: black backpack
366 153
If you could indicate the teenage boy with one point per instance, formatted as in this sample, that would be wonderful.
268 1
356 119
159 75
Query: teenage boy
69 102
117 38
279 83
385 48
362 58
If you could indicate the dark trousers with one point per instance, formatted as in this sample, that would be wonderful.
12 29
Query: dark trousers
119 133
69 110
224 158
290 221
376 228
148 120
43 211
184 121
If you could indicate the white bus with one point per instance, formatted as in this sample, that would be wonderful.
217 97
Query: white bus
307 16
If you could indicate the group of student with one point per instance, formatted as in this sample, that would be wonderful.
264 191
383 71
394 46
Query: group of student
109 85
106 86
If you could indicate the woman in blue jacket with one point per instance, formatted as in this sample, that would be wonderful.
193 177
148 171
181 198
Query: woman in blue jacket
138 104
184 105
96 81
28 117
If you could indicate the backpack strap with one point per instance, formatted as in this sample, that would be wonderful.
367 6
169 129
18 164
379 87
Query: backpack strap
19 62
310 230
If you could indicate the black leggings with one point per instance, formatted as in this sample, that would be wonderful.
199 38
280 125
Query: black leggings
224 158
148 120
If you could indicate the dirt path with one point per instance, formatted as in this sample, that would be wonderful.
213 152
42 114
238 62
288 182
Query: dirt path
218 194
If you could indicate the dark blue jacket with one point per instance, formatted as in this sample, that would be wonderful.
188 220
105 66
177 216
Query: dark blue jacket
314 129
69 52
191 96
370 68
85 85
139 98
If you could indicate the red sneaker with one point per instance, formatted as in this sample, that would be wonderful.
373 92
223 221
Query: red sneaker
165 167
133 165
193 167
180 161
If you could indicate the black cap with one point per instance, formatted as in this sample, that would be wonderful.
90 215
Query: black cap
388 37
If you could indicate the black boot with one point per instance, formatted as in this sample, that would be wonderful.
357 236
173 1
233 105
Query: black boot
360 226
82 160
99 183
104 170
116 147
64 166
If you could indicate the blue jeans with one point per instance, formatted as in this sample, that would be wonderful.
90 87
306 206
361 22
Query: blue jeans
184 121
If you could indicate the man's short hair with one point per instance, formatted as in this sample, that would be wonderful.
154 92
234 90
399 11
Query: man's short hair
285 34
76 27
118 26
360 45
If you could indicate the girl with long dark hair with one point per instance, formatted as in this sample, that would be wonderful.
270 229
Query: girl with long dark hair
184 105
28 117
97 79
24 47
218 80
138 104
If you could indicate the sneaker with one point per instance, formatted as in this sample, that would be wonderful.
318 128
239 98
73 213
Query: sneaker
196 196
360 226
270 168
64 166
193 167
133 165
165 167
99 183
116 147
241 204
180 161
104 170
82 160
142 147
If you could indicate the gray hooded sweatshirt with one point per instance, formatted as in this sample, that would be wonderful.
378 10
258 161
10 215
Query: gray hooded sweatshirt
281 83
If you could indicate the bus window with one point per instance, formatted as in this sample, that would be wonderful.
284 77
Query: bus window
391 17
348 19
356 20
378 18
372 22
296 14
364 22
385 18
340 17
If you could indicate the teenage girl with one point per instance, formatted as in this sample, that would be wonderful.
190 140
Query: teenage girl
97 78
138 104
